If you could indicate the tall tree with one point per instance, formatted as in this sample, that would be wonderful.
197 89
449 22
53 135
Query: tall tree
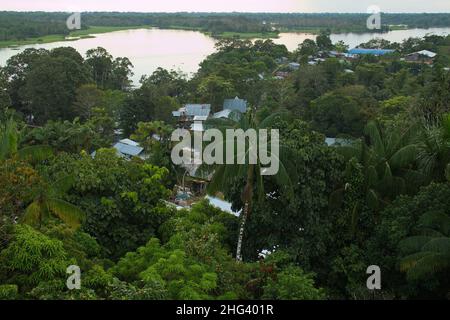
50 88
434 149
101 64
226 175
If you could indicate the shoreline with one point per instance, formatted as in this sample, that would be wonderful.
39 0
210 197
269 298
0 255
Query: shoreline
93 30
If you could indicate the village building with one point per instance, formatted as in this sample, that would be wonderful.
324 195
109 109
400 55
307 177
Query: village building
294 66
127 149
423 56
188 112
232 109
374 52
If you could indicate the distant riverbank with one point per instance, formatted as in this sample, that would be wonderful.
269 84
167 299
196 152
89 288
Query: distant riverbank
73 36
91 31
149 48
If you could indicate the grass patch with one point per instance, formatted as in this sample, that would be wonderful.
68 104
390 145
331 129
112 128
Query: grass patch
78 34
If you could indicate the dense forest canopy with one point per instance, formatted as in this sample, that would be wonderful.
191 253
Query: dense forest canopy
22 25
379 196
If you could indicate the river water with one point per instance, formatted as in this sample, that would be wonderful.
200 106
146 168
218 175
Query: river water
182 50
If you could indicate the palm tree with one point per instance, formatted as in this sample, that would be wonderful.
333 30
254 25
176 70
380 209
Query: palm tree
225 176
429 251
9 145
386 164
47 201
434 149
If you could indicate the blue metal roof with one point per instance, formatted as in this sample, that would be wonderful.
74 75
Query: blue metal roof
235 104
193 110
377 52
127 149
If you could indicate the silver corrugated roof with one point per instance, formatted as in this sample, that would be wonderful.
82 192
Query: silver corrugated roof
128 150
235 104
193 110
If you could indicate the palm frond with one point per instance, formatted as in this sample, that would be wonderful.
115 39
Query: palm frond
376 140
372 200
413 244
436 220
403 157
32 213
8 139
273 118
372 177
35 153
440 245
349 152
67 212
424 264
62 185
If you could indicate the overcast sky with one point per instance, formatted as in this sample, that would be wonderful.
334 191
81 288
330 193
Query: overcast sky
227 5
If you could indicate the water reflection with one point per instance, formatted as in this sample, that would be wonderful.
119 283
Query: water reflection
181 50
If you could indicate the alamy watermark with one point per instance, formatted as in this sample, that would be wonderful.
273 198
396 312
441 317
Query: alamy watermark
374 281
374 21
190 150
74 21
74 280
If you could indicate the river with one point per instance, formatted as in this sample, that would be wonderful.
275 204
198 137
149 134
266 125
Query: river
182 50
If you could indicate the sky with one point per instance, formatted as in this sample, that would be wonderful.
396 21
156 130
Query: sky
226 5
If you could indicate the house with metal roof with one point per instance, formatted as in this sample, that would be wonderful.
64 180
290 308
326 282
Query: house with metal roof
232 109
228 114
423 56
294 65
193 110
225 114
129 142
127 151
374 52
235 104
190 111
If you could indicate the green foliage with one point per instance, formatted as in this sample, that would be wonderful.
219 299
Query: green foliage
280 278
300 221
427 254
151 102
334 114
32 258
191 265
413 238
47 201
10 141
121 199
19 183
292 284
50 87
327 215
155 137
8 292
73 137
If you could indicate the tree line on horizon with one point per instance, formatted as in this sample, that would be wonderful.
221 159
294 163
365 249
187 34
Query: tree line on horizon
24 25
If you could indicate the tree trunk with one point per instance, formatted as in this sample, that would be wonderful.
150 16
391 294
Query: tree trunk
241 233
